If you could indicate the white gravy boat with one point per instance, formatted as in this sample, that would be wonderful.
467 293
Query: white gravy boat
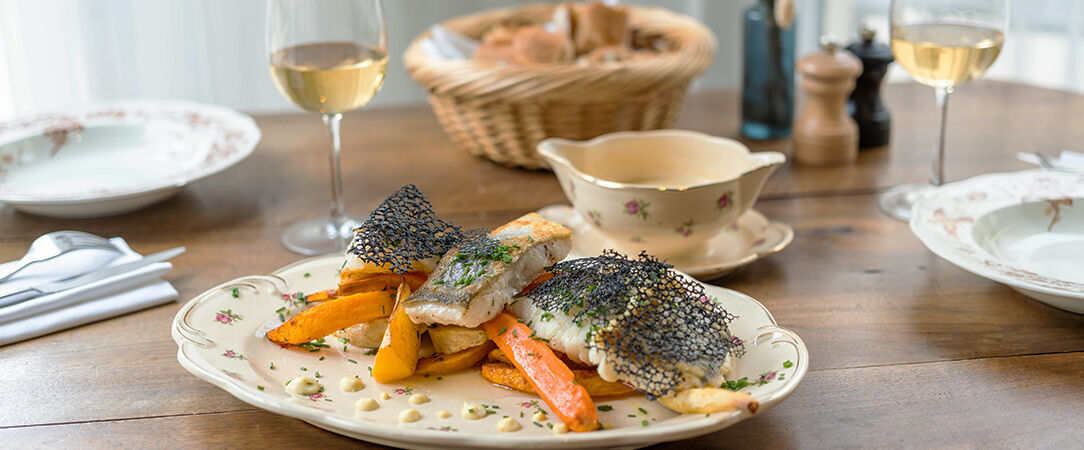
665 191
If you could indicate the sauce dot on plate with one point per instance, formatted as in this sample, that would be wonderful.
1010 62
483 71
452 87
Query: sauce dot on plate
508 425
410 415
473 411
385 396
418 399
303 385
366 404
351 384
539 417
444 414
560 428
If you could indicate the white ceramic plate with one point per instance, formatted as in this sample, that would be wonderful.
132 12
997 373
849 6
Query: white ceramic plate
748 239
1023 229
220 335
115 158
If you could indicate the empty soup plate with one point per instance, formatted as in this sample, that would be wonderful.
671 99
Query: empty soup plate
1023 229
110 159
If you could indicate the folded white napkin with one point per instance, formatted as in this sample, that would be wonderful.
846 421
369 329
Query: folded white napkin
114 296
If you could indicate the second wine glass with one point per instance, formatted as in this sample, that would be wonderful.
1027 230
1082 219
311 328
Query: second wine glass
328 57
942 44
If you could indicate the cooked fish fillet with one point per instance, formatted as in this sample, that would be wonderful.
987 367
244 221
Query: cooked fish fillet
639 322
474 281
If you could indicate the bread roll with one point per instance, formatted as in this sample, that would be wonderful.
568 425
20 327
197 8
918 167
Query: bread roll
597 25
535 45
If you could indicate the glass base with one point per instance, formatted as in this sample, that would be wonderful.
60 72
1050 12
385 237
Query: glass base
762 131
319 236
897 201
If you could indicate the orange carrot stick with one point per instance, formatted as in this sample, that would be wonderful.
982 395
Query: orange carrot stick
325 318
550 377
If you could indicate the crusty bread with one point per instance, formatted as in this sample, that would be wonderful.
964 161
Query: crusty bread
597 25
535 45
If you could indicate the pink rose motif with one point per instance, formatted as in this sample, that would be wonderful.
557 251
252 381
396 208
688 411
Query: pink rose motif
227 317
316 397
526 404
685 229
632 207
723 201
595 217
233 355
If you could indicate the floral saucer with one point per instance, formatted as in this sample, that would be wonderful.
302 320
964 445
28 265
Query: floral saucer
1023 229
749 238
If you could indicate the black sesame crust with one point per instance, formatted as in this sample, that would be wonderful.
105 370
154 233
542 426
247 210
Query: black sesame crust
647 318
404 229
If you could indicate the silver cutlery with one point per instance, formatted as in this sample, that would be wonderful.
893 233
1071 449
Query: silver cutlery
1044 161
13 296
52 245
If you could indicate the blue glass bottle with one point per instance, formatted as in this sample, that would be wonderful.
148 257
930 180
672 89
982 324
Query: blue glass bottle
767 104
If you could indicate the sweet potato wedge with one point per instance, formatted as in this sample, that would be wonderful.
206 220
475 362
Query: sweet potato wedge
398 354
546 373
507 376
381 282
370 283
325 318
443 364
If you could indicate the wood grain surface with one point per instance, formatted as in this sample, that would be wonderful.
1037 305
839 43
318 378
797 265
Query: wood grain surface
906 349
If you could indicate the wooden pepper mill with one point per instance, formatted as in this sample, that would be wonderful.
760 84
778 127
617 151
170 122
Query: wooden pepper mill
824 133
865 106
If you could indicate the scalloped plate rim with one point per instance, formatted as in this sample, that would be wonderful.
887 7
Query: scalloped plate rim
243 122
417 438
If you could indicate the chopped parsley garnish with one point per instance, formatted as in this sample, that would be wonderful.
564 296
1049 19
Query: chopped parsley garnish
787 364
605 408
736 384
259 387
307 275
503 330
351 361
236 293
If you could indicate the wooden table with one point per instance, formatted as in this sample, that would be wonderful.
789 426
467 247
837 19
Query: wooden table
907 349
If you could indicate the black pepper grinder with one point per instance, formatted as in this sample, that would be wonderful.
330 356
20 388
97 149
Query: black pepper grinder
865 105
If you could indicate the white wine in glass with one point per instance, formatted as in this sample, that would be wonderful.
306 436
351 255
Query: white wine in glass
942 44
328 57
329 77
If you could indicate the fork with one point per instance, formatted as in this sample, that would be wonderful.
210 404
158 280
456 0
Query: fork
52 245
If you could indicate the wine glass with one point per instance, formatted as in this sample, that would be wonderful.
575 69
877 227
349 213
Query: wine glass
328 57
942 44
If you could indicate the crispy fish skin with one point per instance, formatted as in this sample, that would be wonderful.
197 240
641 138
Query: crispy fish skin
466 291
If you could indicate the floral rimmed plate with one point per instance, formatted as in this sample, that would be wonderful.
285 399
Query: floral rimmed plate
748 239
114 158
1022 229
220 335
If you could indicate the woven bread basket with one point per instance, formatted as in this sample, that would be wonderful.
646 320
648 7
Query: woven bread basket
502 111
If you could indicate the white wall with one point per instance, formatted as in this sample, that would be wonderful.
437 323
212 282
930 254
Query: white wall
56 53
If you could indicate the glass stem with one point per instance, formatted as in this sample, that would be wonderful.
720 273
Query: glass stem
338 211
937 175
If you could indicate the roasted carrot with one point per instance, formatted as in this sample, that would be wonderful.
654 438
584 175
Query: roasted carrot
442 364
398 354
323 319
370 283
547 374
507 376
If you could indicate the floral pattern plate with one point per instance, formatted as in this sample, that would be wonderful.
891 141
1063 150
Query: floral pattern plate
1022 229
109 159
220 339
750 238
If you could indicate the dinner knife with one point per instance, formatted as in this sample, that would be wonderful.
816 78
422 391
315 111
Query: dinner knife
13 296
